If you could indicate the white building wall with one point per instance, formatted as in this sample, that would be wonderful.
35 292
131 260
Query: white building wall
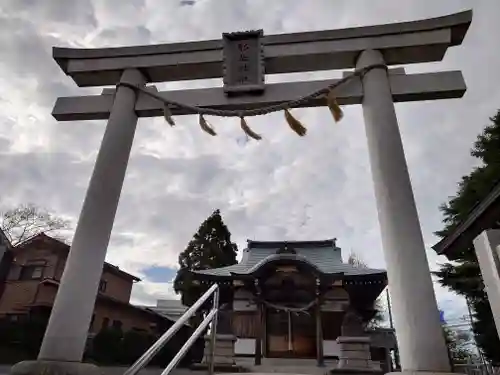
244 346
244 305
247 347
331 348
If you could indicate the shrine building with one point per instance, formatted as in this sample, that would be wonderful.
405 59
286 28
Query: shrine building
297 299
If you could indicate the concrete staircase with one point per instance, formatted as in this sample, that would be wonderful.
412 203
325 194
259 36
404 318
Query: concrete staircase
286 366
299 367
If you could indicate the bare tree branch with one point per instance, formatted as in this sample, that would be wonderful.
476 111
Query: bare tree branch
356 261
28 220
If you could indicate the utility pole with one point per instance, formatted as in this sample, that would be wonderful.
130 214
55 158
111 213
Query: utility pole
391 324
467 301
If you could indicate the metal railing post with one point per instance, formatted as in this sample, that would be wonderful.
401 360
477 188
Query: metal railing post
182 351
160 343
213 333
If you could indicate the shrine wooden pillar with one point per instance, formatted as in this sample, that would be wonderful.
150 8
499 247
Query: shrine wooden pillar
260 329
319 329
319 337
263 330
388 360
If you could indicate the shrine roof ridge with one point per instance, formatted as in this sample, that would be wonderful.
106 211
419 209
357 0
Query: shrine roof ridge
323 256
293 244
277 257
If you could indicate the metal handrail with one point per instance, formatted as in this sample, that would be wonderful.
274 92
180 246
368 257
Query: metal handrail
160 343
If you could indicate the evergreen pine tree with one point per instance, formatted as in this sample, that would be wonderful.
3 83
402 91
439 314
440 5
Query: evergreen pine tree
463 276
211 247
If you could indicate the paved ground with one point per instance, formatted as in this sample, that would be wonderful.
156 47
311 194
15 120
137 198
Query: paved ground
4 370
270 366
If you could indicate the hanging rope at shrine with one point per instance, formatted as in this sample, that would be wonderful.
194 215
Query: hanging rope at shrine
302 309
295 125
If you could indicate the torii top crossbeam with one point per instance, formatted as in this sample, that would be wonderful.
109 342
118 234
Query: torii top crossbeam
401 43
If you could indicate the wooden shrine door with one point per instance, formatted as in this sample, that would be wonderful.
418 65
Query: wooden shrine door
304 334
290 334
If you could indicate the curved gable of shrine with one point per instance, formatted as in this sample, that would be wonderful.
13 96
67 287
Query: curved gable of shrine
320 257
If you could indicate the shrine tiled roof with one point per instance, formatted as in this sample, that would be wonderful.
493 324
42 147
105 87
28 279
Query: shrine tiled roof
323 256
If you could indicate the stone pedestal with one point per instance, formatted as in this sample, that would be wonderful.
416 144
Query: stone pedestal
355 355
224 350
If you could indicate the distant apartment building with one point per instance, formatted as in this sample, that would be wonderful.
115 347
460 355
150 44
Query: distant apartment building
172 309
30 274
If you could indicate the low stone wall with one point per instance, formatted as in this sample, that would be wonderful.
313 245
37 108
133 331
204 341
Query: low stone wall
224 350
355 355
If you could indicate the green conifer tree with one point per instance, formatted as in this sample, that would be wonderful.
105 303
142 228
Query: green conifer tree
463 275
211 247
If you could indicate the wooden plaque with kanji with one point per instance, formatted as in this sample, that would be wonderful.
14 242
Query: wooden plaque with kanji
243 62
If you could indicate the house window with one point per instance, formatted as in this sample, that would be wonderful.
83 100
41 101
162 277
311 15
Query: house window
117 324
15 317
102 286
31 273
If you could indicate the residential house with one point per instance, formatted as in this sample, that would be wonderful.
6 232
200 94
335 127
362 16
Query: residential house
30 274
5 259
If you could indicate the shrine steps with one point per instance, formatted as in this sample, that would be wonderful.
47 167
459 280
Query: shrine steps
286 366
256 370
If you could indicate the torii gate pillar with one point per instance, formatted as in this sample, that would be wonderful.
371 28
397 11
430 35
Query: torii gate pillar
487 246
420 338
419 333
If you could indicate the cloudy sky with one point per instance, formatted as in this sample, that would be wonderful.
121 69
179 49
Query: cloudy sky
284 187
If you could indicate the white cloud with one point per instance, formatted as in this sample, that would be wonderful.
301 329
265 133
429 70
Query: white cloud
284 187
146 293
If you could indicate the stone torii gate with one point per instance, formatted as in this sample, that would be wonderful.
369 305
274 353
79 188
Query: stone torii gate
418 329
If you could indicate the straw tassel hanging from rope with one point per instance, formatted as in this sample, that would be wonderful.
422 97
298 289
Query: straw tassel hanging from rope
206 126
336 111
295 124
248 131
167 114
